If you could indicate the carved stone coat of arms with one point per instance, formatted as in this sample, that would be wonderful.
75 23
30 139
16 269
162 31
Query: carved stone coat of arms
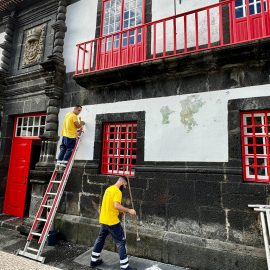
34 45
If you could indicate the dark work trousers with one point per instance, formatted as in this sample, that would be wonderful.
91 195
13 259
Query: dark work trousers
118 236
66 149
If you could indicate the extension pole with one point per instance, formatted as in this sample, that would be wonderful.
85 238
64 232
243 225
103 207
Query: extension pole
132 204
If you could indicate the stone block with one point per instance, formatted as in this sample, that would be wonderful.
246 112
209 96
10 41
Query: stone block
154 213
244 189
93 188
68 230
89 206
72 204
208 193
240 201
74 183
210 215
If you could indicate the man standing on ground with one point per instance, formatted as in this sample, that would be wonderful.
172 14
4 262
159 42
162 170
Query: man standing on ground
110 224
69 133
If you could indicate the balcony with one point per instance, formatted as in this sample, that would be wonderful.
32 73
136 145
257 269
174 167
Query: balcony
223 24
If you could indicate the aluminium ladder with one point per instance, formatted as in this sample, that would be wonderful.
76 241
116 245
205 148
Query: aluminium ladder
265 220
50 202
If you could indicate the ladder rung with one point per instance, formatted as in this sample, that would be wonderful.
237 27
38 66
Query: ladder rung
41 219
47 206
37 234
57 182
50 193
31 256
32 249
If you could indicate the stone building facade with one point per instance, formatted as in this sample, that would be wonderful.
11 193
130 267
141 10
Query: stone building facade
187 107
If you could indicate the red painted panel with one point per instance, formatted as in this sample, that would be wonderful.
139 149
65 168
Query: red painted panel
18 177
241 27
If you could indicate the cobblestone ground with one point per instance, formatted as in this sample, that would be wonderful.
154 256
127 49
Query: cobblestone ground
13 262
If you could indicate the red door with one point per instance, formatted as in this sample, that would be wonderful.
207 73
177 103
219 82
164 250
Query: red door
18 177
253 22
120 42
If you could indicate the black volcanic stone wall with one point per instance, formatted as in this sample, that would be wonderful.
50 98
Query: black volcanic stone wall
208 200
24 87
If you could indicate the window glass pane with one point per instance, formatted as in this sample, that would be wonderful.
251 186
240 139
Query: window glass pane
260 150
239 3
43 120
24 132
25 120
248 120
36 123
239 13
258 120
18 132
250 140
258 130
250 150
42 129
259 140
248 130
19 121
262 171
132 22
35 131
126 24
31 121
126 15
29 131
251 10
138 20
105 30
258 8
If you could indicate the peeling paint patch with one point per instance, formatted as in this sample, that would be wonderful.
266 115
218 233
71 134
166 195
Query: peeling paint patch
190 106
166 112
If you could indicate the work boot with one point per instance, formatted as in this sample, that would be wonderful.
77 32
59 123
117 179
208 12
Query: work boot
96 263
57 167
62 167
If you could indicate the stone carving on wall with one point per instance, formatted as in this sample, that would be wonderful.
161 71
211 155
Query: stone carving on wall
34 45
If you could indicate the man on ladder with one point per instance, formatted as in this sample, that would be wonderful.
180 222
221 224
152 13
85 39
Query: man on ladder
69 133
53 194
110 224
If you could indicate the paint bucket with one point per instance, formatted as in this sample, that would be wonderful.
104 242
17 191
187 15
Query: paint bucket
52 238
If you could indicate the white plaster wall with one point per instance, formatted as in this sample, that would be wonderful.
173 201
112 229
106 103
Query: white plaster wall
81 26
2 39
165 8
196 129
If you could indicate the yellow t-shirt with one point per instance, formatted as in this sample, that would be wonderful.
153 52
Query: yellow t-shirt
69 130
109 214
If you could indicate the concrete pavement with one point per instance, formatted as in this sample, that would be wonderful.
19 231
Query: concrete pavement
13 262
64 255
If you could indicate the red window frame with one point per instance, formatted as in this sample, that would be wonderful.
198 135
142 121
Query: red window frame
255 133
121 17
119 148
16 122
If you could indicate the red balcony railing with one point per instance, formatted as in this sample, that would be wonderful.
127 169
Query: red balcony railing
225 23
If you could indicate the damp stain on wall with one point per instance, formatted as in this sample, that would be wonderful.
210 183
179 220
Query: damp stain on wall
166 112
190 106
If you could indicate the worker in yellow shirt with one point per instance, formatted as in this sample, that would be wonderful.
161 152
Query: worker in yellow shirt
110 224
69 133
